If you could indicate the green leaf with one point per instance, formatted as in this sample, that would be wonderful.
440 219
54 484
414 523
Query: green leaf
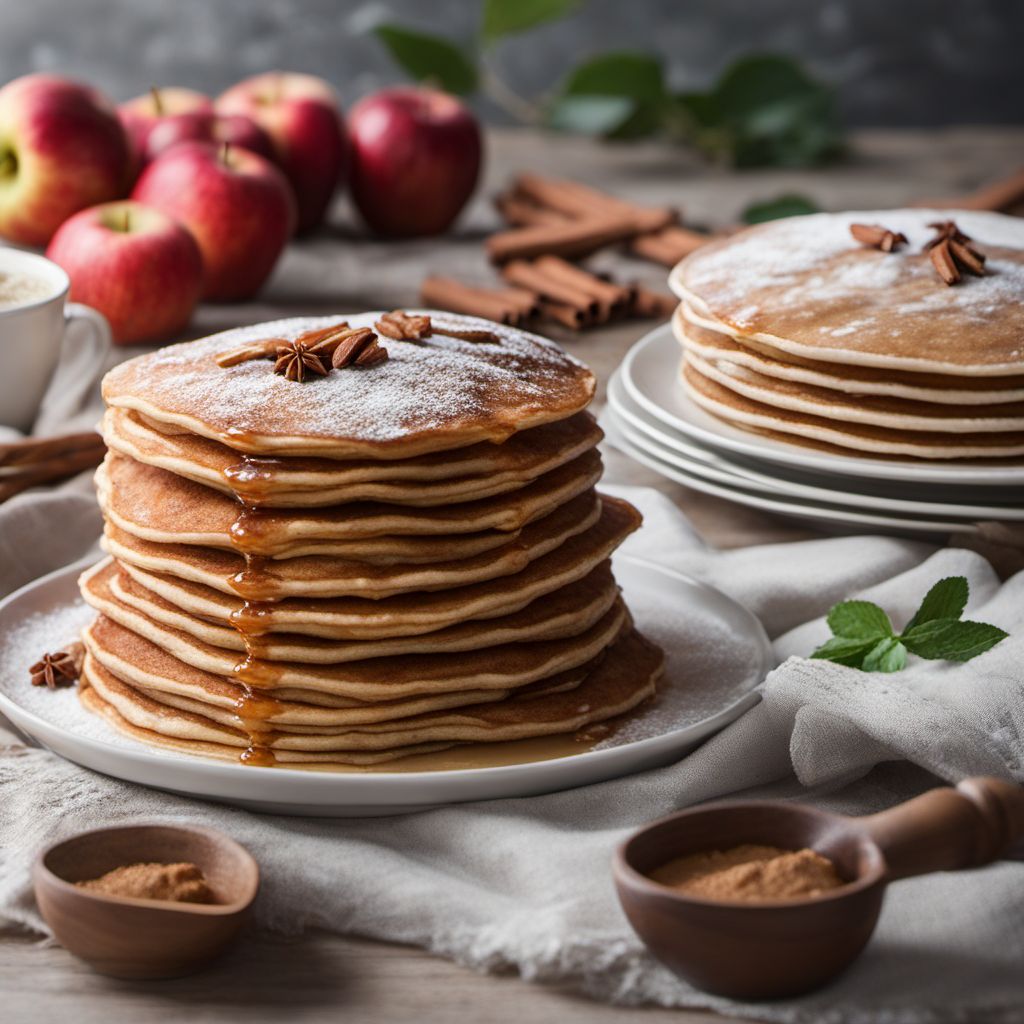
755 84
426 56
951 639
590 115
859 620
619 95
946 600
506 17
774 209
888 655
846 650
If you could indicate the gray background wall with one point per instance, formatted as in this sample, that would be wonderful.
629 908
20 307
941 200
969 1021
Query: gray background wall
896 62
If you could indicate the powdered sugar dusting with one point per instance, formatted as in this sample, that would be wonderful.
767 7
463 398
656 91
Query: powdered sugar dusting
438 386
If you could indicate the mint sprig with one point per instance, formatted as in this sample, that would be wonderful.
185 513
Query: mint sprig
863 637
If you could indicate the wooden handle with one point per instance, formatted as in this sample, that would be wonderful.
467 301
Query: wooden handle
946 829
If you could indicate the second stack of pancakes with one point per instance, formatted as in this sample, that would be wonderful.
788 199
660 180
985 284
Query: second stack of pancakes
383 561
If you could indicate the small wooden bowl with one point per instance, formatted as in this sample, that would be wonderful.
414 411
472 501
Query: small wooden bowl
772 950
135 938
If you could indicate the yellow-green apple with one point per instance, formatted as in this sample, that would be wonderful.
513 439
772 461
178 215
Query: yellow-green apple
62 148
302 116
415 159
206 126
238 206
139 267
142 114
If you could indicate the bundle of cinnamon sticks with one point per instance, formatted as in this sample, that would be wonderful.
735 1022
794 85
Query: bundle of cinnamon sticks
37 461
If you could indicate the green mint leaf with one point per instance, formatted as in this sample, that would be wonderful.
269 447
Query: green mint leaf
946 600
774 209
506 17
859 619
952 639
428 57
888 655
591 115
845 650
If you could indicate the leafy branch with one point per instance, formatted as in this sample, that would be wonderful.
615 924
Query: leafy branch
764 110
863 637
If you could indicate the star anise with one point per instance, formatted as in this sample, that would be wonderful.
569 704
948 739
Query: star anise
951 252
296 361
360 348
59 669
878 237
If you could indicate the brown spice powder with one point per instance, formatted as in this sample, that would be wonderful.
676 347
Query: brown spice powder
750 872
177 883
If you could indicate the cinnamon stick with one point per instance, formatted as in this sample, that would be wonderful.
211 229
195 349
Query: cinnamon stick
669 245
567 316
37 449
1000 196
519 212
529 275
14 480
491 304
613 298
572 239
651 305
578 200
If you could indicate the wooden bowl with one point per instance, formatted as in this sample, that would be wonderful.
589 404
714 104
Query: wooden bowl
135 938
772 950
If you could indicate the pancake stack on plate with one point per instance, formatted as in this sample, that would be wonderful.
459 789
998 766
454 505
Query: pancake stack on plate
375 562
892 338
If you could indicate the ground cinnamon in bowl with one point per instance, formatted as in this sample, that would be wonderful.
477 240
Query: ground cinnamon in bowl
175 883
750 873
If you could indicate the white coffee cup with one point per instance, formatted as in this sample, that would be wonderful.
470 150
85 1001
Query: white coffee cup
31 336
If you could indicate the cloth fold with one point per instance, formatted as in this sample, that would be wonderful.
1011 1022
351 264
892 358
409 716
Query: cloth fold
525 884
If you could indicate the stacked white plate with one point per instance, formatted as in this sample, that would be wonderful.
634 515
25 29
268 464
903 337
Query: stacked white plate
649 416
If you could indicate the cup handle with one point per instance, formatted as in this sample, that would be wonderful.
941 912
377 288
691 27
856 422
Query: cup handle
946 829
92 348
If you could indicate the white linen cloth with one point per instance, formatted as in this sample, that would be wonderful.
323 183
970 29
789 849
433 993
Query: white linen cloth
525 884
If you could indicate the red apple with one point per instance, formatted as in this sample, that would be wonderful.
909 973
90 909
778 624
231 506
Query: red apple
205 126
62 148
302 116
140 268
146 112
237 205
415 159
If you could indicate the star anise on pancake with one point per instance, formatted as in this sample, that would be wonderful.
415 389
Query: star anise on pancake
297 361
952 253
878 237
59 669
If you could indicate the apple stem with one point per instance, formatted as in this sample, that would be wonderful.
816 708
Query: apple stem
127 220
158 103
8 163
225 151
507 99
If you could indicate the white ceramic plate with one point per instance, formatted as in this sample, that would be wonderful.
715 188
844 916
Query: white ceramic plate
702 692
650 378
675 448
635 446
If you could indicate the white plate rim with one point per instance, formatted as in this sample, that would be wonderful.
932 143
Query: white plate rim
705 428
693 456
381 790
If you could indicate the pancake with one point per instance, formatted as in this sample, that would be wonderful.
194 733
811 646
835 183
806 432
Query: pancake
802 286
621 680
327 576
159 506
427 397
146 666
524 456
407 615
871 410
566 612
856 438
705 339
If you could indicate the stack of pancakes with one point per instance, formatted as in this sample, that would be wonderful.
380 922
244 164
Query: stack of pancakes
359 567
796 330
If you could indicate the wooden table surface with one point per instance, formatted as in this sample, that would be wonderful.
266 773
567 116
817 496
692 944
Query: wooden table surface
325 977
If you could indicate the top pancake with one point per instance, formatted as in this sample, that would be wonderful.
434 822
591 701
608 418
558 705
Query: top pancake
805 287
428 396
